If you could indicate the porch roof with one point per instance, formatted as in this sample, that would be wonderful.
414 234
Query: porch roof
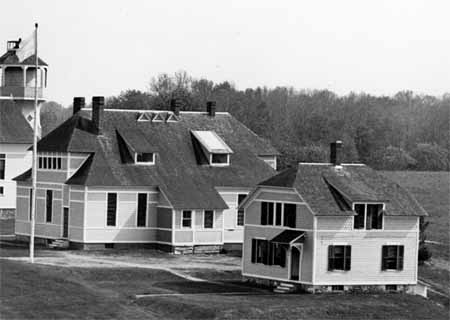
288 236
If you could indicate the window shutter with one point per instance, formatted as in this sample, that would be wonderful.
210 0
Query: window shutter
270 252
348 258
265 251
263 213
380 220
254 250
330 258
270 214
383 257
400 257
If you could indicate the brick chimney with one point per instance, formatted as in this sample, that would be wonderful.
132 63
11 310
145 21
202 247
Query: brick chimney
211 108
78 104
336 153
175 107
97 112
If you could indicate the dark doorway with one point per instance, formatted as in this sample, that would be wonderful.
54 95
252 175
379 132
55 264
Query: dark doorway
295 263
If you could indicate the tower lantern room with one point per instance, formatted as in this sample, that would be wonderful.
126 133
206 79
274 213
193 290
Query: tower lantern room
17 81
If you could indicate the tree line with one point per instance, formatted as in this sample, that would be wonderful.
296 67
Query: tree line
404 132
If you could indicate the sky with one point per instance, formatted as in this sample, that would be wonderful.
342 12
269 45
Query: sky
105 47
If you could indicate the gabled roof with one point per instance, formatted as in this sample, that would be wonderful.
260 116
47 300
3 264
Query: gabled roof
331 190
14 128
10 57
176 172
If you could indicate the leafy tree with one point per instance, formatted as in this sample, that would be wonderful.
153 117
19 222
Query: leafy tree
431 157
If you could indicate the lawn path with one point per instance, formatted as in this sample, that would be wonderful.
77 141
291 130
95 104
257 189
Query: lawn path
68 259
88 262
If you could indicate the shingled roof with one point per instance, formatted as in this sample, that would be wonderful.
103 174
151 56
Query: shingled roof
10 57
14 128
330 190
186 183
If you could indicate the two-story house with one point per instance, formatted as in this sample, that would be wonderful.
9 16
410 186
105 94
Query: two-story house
331 227
167 179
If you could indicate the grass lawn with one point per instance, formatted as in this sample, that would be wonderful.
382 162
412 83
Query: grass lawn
432 190
48 292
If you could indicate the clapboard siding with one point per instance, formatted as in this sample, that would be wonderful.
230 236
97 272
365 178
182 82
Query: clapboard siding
232 232
366 257
304 218
401 223
279 197
335 223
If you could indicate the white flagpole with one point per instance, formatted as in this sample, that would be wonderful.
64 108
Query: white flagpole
34 165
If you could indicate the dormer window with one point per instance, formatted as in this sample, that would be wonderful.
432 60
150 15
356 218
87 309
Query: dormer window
145 158
369 216
217 152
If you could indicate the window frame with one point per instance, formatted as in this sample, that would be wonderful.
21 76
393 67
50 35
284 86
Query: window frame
257 250
240 211
213 220
278 208
346 258
3 160
366 204
145 210
273 250
400 258
183 219
219 164
136 161
284 222
50 162
108 207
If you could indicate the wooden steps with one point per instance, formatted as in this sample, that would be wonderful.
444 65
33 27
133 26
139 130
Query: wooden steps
284 287
59 244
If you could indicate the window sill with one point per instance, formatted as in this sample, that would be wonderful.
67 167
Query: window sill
338 271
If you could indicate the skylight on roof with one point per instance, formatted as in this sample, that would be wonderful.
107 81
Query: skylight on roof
212 142
144 117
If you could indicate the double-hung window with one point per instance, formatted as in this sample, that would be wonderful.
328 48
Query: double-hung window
339 258
278 254
266 213
240 212
186 219
278 214
48 205
208 219
111 211
269 253
260 251
392 257
290 213
368 216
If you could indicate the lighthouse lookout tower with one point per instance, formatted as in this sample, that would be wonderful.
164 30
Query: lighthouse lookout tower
17 82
